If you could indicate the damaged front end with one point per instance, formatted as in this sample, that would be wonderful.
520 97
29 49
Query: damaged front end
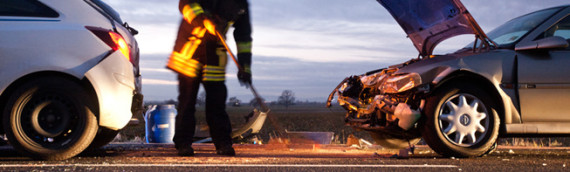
383 102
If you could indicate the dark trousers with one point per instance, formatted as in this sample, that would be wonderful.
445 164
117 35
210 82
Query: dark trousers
216 116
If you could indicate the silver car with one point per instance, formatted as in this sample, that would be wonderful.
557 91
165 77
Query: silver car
69 76
513 81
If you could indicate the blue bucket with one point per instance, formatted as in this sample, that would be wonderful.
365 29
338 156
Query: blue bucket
160 121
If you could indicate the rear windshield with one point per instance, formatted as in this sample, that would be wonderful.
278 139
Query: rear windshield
107 10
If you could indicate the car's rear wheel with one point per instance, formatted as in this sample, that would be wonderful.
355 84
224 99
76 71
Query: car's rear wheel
461 121
2 141
104 137
50 118
392 142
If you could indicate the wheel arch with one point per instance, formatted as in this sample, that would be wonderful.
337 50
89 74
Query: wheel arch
7 93
482 82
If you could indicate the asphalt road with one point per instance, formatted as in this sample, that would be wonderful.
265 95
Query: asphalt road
276 157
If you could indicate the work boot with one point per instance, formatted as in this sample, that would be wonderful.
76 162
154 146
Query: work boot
185 151
226 150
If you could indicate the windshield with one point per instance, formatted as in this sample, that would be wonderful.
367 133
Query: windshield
512 31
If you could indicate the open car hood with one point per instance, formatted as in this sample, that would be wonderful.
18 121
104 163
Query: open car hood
428 23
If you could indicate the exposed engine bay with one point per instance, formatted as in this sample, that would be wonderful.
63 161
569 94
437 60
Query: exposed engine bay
383 103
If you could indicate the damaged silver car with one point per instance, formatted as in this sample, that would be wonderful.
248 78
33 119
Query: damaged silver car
513 81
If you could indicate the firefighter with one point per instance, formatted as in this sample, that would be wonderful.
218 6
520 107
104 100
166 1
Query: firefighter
200 57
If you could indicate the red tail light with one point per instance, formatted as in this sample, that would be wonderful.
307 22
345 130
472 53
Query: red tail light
113 40
121 44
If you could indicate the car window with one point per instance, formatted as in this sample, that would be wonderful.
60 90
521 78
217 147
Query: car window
561 29
25 8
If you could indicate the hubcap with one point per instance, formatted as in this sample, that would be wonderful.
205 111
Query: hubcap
463 120
50 118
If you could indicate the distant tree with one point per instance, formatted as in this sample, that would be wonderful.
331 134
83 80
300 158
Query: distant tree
287 98
253 102
171 101
201 99
234 101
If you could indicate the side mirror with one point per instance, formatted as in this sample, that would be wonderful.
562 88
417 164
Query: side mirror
554 42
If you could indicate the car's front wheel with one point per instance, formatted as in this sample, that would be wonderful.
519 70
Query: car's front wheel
461 121
50 118
392 142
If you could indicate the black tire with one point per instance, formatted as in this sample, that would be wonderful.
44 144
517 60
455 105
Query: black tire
104 137
2 141
392 142
50 118
450 121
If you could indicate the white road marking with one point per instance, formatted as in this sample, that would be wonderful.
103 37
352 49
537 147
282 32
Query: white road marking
226 165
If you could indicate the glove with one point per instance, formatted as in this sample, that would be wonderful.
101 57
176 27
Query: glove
206 21
244 78
244 74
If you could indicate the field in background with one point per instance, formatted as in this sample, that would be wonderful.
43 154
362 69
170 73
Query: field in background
313 117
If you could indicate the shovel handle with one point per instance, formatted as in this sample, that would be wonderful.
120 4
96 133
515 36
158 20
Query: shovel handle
257 97
262 104
228 49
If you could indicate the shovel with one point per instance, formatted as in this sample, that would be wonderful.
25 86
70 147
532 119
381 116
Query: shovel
264 109
259 116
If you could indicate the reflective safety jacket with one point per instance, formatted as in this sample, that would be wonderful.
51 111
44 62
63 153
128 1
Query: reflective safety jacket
193 43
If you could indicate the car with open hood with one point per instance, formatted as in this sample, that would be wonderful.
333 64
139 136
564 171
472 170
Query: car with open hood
513 81
69 76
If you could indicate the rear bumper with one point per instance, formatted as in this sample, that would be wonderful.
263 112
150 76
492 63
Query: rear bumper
114 83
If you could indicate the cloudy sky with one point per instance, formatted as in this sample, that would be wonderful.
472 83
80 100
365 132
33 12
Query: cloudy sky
307 46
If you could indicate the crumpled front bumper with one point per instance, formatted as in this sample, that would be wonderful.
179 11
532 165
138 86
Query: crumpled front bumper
380 100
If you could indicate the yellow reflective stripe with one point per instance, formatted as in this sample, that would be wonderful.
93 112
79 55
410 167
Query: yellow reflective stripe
190 47
190 11
183 65
214 69
244 47
214 73
197 8
189 63
223 57
214 77
247 68
199 32
182 62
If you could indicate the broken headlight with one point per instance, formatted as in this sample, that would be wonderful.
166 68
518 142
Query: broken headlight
401 83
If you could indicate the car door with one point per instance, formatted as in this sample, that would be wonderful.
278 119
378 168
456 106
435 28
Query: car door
544 79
